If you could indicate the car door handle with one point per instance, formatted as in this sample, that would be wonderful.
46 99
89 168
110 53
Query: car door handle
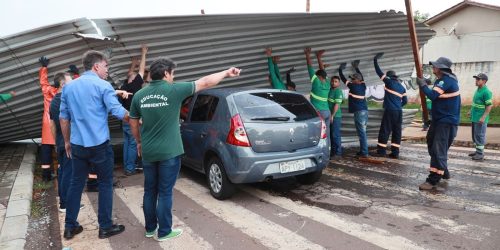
203 134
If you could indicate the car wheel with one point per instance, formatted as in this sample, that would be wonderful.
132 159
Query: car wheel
218 183
309 178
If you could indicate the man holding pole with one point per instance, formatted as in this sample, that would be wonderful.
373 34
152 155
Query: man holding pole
445 98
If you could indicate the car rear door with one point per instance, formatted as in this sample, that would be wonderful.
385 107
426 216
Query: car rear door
278 121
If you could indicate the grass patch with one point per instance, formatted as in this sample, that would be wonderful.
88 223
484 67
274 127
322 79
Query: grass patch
37 210
40 189
42 185
40 192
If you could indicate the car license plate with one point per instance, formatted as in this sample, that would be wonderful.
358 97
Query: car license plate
292 166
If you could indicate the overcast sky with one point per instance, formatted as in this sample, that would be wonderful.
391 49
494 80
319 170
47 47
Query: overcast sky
21 15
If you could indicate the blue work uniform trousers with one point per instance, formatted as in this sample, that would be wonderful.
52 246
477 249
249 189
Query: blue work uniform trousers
439 139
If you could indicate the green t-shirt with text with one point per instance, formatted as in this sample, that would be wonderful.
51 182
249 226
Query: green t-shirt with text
335 97
482 98
158 105
319 91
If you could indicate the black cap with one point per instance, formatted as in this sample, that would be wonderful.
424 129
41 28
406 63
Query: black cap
481 76
356 76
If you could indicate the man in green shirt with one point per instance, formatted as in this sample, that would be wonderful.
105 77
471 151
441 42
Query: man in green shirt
6 97
480 115
159 141
275 75
335 98
320 88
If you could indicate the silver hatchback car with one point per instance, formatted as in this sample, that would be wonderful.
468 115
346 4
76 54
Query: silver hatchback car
244 136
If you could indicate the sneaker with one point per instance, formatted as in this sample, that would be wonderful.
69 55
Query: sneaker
426 186
174 233
335 157
359 154
92 189
446 176
478 157
150 234
127 173
472 154
363 158
393 156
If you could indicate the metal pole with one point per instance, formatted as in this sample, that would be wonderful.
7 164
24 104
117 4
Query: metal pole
418 64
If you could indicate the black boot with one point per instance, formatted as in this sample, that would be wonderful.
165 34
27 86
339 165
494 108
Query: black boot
46 174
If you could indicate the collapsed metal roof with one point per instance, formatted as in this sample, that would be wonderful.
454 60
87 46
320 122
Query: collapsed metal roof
200 44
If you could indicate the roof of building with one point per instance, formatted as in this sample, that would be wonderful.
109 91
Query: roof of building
458 7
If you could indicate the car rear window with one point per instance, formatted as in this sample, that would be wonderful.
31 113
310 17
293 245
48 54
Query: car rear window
274 106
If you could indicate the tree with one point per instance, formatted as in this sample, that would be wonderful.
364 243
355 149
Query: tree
420 17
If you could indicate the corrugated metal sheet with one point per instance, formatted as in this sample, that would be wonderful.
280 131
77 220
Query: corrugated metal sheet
201 45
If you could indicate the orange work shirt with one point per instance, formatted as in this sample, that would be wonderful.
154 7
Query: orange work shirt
48 94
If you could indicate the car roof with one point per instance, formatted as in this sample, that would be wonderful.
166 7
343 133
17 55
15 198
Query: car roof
225 92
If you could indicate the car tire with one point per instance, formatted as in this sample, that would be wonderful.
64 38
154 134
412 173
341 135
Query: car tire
309 178
220 186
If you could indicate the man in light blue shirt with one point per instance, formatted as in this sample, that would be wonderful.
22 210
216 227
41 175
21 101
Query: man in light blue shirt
85 104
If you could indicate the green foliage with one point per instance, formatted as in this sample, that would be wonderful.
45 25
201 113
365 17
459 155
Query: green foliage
420 17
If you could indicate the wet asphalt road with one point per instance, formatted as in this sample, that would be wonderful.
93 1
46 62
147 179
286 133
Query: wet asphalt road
355 205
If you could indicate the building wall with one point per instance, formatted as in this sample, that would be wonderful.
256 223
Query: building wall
474 47
472 19
465 71
471 47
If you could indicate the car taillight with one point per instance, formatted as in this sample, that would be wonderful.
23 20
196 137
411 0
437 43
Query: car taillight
323 126
237 135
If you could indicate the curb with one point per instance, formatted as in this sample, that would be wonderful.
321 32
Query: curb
457 143
15 226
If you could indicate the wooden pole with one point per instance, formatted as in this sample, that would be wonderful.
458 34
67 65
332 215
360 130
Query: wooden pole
308 4
418 64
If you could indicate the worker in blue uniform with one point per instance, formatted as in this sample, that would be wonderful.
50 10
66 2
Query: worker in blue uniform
445 97
357 105
392 120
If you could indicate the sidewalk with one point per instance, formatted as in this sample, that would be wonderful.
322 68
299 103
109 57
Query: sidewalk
16 187
414 133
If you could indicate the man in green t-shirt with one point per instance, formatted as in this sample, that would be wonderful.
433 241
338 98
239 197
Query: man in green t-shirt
6 97
480 115
335 98
159 141
320 88
275 75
